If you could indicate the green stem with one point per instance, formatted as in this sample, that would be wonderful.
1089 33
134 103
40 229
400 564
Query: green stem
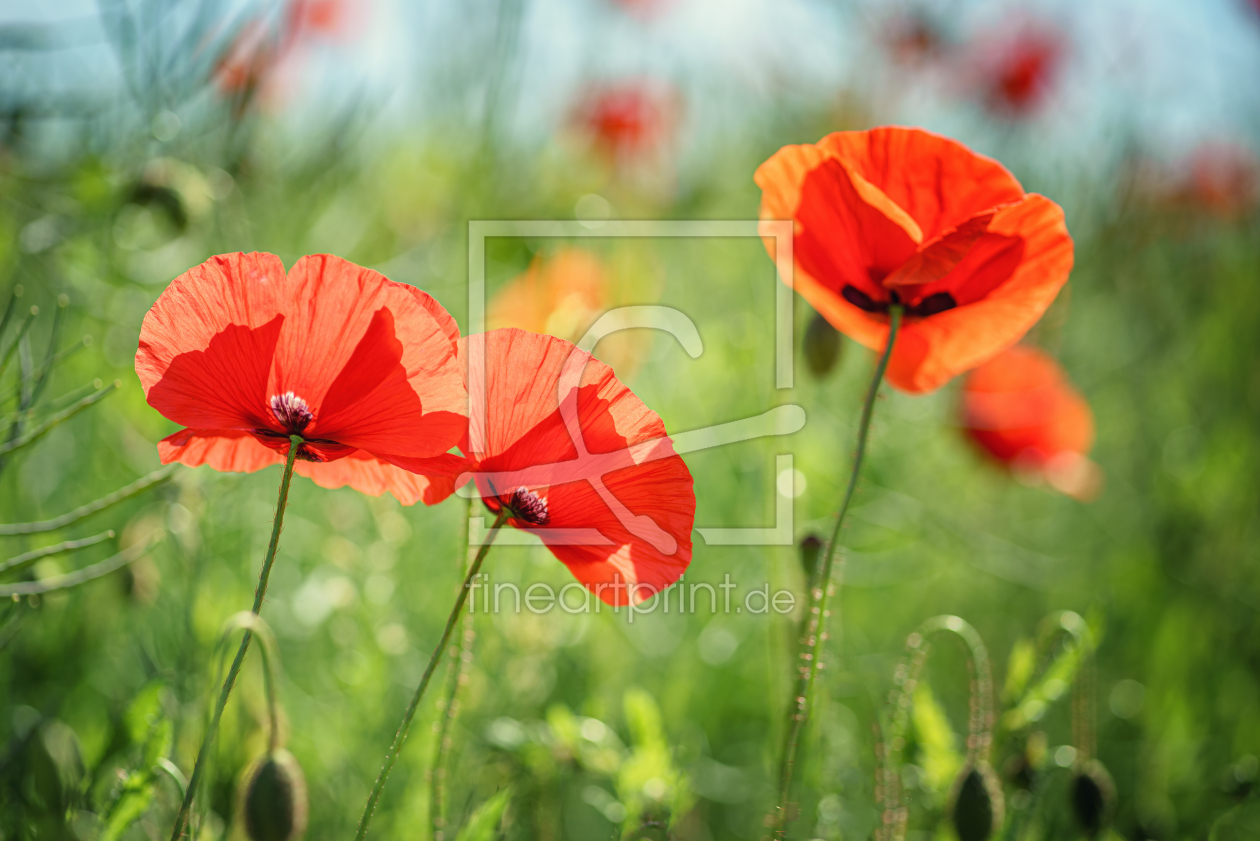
450 708
401 736
295 443
811 645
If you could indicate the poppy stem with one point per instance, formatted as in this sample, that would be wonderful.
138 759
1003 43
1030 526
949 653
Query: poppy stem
401 736
295 442
450 707
814 633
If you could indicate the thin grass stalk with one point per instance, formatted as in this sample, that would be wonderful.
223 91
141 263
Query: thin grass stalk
449 709
18 441
124 493
391 755
181 818
56 549
812 641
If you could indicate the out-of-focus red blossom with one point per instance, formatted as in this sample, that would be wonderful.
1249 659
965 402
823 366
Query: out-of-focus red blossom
1022 410
1017 70
578 459
260 50
1222 177
365 370
913 39
644 9
324 16
628 120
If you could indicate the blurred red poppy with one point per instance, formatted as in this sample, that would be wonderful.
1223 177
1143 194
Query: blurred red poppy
1018 69
364 369
644 9
1022 410
1222 177
259 49
578 459
913 38
628 120
901 215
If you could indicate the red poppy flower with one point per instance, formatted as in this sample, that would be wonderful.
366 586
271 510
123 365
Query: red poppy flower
364 369
914 38
1022 410
1018 71
1222 177
627 120
901 215
578 459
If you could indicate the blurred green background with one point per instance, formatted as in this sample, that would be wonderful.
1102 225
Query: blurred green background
137 138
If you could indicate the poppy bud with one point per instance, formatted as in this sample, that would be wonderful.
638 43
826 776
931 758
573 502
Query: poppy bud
811 545
822 346
1093 796
272 798
977 803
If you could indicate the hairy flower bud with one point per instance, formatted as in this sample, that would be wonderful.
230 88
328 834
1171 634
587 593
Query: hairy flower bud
822 346
811 546
1093 795
271 800
976 803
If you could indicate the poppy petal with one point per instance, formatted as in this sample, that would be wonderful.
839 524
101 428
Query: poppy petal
225 450
847 231
933 350
370 475
545 399
938 181
942 255
377 362
660 491
206 345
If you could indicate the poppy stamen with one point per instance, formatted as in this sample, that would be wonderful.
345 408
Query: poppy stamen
528 506
861 300
292 411
937 302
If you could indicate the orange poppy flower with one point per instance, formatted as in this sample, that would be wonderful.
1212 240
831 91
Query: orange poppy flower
578 459
1022 410
562 295
901 215
363 368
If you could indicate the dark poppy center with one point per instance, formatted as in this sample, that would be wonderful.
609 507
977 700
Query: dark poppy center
295 415
292 411
937 302
528 506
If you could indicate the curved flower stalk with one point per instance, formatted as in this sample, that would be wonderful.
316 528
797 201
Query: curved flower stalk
1039 674
976 780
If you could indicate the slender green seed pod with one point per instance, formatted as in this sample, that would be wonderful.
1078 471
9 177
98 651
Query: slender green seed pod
271 800
976 804
1093 798
822 346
